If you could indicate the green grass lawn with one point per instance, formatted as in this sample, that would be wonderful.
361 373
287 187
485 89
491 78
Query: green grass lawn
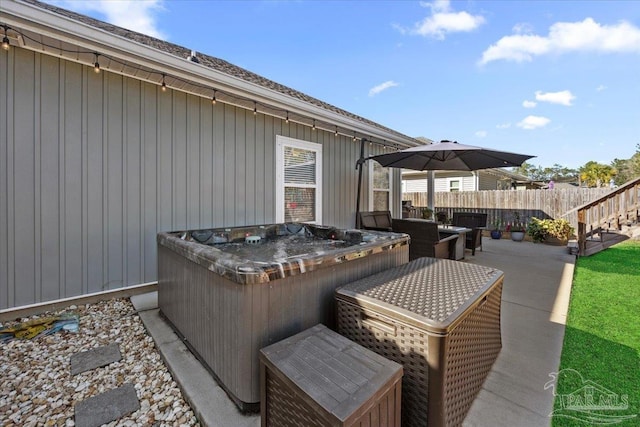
602 340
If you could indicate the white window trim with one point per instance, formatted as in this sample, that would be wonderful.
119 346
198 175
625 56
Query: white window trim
284 141
460 183
371 189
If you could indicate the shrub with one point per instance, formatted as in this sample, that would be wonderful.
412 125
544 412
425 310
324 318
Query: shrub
541 229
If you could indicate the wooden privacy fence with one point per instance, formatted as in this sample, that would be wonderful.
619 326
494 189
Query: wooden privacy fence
501 204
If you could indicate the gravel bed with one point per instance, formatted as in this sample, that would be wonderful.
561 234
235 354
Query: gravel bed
37 389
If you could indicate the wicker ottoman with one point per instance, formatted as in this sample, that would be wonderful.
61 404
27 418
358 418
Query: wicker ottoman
441 320
319 378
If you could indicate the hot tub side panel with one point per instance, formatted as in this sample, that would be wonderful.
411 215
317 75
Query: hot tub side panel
206 308
227 323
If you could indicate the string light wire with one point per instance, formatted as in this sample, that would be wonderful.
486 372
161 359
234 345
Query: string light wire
150 72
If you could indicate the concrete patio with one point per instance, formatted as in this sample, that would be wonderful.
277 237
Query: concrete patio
535 300
534 306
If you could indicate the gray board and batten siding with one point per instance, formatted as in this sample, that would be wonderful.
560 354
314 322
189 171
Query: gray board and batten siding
92 166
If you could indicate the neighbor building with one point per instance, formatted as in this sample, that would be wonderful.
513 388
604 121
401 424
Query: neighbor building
452 181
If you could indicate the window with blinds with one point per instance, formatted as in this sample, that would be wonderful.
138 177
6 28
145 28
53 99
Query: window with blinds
299 179
380 187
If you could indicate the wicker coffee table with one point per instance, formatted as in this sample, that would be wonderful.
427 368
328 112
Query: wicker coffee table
440 319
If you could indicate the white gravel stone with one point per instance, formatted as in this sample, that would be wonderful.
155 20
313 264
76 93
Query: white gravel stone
36 387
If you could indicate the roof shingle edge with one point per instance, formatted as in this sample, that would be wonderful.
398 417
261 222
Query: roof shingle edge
210 62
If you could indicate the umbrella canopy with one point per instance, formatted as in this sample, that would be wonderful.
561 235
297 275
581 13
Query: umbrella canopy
447 155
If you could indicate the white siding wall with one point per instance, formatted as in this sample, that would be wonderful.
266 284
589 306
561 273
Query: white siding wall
467 183
415 186
487 182
92 166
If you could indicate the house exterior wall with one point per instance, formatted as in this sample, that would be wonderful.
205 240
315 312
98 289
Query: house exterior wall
442 180
487 181
92 166
414 185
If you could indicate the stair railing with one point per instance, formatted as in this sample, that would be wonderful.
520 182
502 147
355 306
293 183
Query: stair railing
620 205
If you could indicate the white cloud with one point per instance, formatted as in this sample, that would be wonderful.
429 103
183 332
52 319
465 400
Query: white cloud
564 97
481 134
533 122
601 88
443 20
382 87
503 126
563 37
523 28
135 15
529 104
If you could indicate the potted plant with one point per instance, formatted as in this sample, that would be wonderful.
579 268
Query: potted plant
426 213
441 217
517 229
496 232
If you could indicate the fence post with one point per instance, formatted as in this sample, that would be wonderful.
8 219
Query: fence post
582 233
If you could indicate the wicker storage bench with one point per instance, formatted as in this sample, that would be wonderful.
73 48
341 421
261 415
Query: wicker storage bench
319 378
441 320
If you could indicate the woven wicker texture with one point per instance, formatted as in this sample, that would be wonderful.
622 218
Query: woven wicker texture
409 348
285 408
471 349
320 378
433 288
433 293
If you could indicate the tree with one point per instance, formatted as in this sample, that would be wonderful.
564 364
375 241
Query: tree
622 166
560 173
525 169
596 174
538 173
628 169
633 166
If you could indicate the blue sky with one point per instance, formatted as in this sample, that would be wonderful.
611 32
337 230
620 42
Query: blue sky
557 79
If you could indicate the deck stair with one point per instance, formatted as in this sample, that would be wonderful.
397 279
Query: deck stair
610 219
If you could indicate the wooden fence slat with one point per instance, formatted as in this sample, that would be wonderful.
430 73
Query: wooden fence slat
502 204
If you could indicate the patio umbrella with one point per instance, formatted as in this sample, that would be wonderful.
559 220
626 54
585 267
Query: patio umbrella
445 155
448 155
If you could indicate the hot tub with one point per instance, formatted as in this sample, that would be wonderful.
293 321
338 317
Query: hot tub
231 291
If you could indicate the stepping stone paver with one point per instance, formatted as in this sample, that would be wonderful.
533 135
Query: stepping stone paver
95 358
106 407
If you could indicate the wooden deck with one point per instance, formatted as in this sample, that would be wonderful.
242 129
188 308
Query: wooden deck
603 241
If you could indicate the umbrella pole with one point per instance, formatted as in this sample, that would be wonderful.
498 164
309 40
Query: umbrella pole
359 166
431 190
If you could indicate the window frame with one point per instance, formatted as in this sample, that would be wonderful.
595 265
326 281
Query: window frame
451 181
281 143
372 190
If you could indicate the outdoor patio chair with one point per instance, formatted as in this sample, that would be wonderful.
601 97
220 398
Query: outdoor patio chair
425 239
476 222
